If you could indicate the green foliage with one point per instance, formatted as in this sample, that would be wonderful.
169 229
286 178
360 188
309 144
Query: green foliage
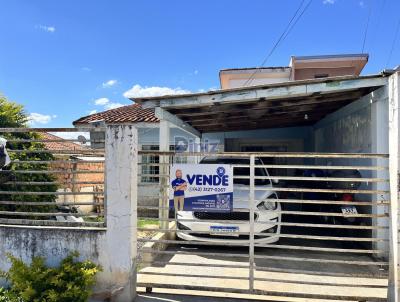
142 223
7 296
70 282
12 115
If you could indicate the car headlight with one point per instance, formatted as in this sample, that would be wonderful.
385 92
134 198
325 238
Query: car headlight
267 206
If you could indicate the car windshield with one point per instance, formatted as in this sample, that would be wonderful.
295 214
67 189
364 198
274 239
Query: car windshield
240 171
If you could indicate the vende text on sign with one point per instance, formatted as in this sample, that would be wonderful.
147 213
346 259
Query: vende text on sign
201 187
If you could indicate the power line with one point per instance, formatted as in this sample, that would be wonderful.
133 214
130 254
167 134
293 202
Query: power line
298 18
393 43
281 38
366 28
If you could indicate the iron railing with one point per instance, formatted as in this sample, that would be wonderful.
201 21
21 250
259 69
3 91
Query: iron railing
52 181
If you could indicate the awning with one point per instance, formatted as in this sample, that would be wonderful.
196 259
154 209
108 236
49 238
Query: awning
296 103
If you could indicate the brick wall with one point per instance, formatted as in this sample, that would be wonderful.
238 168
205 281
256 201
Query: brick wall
65 179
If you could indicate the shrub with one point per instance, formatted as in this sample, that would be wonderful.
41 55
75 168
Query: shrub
71 281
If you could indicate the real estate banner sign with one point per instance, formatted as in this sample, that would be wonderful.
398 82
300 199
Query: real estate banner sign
201 187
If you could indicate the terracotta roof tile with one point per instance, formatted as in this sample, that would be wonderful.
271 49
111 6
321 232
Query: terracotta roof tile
127 114
60 146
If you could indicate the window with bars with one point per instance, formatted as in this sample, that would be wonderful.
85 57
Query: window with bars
149 163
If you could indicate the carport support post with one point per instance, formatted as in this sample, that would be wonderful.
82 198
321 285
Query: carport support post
163 212
121 164
197 148
394 102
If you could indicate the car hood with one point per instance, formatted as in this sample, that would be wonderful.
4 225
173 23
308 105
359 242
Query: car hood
241 195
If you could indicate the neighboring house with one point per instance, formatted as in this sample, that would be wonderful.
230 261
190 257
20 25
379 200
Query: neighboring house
300 68
56 143
77 157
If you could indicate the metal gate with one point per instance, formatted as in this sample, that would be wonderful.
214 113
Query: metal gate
316 227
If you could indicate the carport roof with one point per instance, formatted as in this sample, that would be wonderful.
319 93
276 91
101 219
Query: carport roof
287 104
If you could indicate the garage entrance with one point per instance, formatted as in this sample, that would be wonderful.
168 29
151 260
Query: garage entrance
311 201
268 145
289 242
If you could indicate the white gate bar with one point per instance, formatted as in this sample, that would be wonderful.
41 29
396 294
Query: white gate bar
252 209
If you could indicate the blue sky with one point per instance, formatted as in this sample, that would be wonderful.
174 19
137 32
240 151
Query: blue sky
63 59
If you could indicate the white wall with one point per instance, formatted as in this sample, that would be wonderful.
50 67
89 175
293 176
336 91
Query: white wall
151 135
394 164
54 244
305 134
360 127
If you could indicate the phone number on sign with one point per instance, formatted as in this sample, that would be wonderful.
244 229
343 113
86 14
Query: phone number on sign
217 190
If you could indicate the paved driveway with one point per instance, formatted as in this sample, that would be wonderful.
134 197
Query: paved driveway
278 276
183 298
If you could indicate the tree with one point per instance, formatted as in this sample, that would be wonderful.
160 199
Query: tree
12 115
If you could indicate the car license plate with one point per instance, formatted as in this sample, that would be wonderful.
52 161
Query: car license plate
224 230
349 210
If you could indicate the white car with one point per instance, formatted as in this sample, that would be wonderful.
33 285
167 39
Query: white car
266 213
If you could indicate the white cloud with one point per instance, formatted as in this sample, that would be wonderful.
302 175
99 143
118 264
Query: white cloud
109 83
106 104
329 1
196 72
49 29
86 68
92 111
138 91
101 101
361 3
38 118
113 105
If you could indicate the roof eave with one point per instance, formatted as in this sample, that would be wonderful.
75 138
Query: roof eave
142 101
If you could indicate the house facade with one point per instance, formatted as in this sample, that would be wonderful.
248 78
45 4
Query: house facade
280 137
148 134
300 125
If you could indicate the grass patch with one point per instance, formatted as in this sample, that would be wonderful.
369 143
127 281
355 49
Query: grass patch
146 222
93 219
